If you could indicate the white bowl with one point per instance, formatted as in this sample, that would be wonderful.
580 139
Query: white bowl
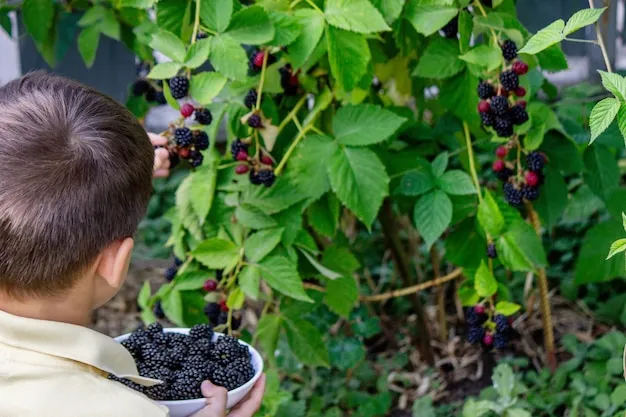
185 408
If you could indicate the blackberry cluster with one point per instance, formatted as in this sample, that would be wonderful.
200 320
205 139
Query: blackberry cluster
179 86
236 147
188 144
288 80
533 178
183 137
143 87
476 317
451 28
251 98
503 332
183 362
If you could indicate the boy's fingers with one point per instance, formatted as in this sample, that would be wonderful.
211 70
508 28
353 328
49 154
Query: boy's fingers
161 173
157 140
252 402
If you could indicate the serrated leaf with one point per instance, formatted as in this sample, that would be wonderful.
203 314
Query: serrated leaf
216 253
228 57
355 16
359 179
38 17
582 18
261 243
204 87
306 342
164 70
534 137
282 275
485 56
203 181
466 25
216 15
602 115
169 45
190 280
198 53
621 121
617 247
423 407
235 299
415 183
432 215
341 295
504 381
428 19
459 96
507 308
456 182
591 263
618 396
249 280
390 9
614 83
172 15
520 249
548 36
602 172
484 282
88 44
144 295
440 164
310 176
253 217
553 198
305 43
328 273
251 26
267 332
440 60
92 16
365 124
348 54
110 26
323 215
286 28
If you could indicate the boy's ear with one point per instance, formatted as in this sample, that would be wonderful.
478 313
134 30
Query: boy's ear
114 262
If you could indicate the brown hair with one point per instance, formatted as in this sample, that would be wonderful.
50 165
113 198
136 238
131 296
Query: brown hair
75 176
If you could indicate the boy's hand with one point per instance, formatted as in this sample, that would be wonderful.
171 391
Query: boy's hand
161 156
216 401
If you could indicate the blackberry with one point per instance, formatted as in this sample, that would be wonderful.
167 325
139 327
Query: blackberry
491 251
183 137
201 331
202 35
177 262
530 193
535 162
224 379
204 116
195 361
200 140
222 318
149 351
154 329
139 338
151 94
227 349
267 177
141 87
187 385
512 195
487 119
170 273
501 340
251 98
236 147
502 323
174 160
178 355
240 371
473 318
160 340
128 383
236 322
509 50
158 392
158 310
485 90
505 174
509 80
131 347
503 127
255 121
197 160
179 86
159 97
475 334
451 28
288 80
518 115
499 105
254 178
201 347
212 312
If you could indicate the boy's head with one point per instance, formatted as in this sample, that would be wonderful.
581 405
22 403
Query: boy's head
75 179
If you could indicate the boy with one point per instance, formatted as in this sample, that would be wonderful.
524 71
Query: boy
75 182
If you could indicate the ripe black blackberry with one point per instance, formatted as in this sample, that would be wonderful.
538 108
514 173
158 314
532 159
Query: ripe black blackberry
267 177
518 115
509 80
187 385
196 160
159 97
451 28
151 94
473 318
131 347
158 392
202 35
174 161
158 310
502 323
505 174
212 312
224 379
491 251
170 273
178 355
177 339
201 331
160 340
201 347
535 161
203 116
512 195
141 87
149 351
509 50
139 338
530 193
183 137
227 349
255 121
487 118
236 147
154 329
142 69
503 127
254 178
485 90
179 86
501 340
475 334
499 105
222 318
251 98
200 140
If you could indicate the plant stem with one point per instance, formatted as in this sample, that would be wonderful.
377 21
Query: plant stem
470 156
196 23
292 147
600 40
207 30
313 5
582 40
482 11
390 231
291 114
441 296
262 81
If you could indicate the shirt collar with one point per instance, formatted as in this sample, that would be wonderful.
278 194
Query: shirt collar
73 342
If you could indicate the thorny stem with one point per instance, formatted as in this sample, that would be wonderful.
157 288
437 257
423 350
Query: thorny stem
196 23
600 41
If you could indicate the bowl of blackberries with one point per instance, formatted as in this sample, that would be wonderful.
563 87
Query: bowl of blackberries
184 358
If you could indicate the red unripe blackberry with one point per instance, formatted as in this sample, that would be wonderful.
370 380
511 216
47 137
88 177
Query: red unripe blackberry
223 306
242 155
520 91
502 152
479 309
498 165
266 160
241 169
521 103
210 285
488 339
257 61
483 107
520 67
186 110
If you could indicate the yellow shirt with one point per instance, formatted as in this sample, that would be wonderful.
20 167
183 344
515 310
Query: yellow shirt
52 369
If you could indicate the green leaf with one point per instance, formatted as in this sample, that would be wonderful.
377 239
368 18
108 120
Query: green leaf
614 83
88 44
216 253
340 259
440 60
355 16
235 299
38 17
345 352
249 280
602 174
534 138
203 181
624 220
328 273
553 198
137 4
310 176
617 247
323 215
228 57
415 183
618 396
286 29
432 215
261 243
484 282
165 70
440 164
204 87
348 54
621 121
282 275
173 308
485 56
428 19
459 96
466 25
253 217
473 408
582 18
251 26
267 332
173 15
190 280
507 308
359 179
456 182
591 264
548 36
602 115
306 342
364 124
305 43
390 9
198 53
169 45
465 246
110 26
92 16
520 249
144 295
216 15
504 380
341 295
